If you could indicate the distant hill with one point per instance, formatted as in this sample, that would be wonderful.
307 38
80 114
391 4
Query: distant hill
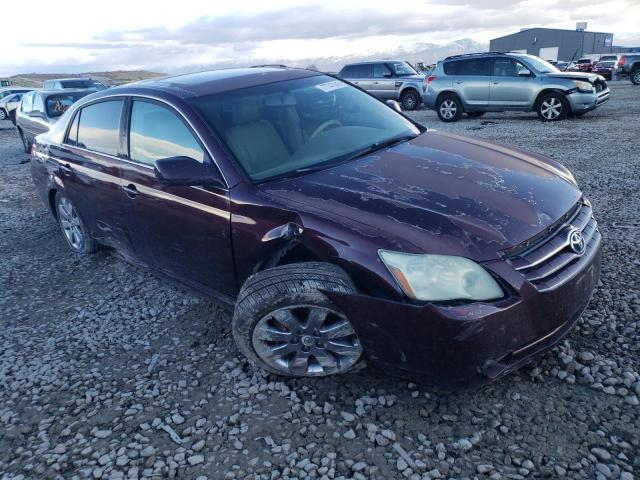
108 78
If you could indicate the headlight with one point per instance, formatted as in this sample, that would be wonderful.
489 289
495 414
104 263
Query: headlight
440 277
583 86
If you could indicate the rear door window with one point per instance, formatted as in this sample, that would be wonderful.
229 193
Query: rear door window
27 103
157 132
476 66
99 127
380 70
38 104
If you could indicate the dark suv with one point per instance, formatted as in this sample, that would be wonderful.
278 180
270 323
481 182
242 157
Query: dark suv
497 82
335 228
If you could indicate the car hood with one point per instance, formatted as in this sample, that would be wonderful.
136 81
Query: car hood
588 76
442 194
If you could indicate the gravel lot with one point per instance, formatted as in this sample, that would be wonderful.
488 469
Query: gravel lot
109 372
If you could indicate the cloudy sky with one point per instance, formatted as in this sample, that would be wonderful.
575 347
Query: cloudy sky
79 36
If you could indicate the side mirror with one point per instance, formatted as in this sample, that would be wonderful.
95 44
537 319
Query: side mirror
524 73
36 113
393 104
185 171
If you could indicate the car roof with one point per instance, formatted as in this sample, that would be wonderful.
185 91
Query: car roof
64 91
210 82
371 62
16 89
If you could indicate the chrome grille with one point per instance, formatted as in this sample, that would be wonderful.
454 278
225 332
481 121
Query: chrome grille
551 261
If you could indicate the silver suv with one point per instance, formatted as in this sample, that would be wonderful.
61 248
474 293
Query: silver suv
388 80
497 82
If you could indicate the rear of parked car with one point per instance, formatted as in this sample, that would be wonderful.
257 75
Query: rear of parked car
388 80
73 83
495 82
629 66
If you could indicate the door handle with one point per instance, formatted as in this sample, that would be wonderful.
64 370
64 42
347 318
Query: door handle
458 81
376 83
496 82
355 83
131 190
66 169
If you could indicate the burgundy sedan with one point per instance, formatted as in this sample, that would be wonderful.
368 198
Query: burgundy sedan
604 68
337 230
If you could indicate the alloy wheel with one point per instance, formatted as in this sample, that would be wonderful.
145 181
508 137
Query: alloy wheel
3 114
409 102
448 109
306 340
636 78
551 108
71 224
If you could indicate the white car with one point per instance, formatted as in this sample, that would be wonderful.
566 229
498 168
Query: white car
8 104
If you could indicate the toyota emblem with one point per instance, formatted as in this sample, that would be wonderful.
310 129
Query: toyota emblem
576 241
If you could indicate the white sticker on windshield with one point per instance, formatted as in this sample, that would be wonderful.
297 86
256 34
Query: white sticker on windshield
331 86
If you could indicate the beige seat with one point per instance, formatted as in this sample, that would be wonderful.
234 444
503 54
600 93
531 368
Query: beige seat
254 141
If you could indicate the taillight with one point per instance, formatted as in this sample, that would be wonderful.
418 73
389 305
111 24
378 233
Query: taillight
33 150
622 61
431 78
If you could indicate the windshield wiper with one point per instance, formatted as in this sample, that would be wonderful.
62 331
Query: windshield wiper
344 158
374 147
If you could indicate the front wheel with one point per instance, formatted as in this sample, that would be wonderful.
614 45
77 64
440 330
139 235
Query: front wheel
410 100
635 77
449 108
284 324
553 107
74 229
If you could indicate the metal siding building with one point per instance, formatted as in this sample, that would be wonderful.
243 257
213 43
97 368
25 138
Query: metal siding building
548 43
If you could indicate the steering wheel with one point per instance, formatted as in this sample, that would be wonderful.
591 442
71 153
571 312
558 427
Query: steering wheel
324 126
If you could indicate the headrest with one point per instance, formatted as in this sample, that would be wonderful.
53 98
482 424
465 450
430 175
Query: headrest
245 111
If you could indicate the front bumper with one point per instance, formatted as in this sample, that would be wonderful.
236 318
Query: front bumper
470 344
585 102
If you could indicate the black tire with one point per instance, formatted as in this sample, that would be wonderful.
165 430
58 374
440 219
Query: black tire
449 108
26 146
409 100
475 114
3 114
635 77
286 286
88 244
552 107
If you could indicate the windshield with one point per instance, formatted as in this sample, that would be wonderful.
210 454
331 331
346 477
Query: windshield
56 105
402 68
281 128
542 66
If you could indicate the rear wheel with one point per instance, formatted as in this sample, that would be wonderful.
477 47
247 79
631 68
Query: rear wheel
284 324
449 108
552 107
635 77
74 229
410 100
3 114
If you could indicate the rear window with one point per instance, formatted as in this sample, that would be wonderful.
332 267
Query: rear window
77 84
58 104
99 127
